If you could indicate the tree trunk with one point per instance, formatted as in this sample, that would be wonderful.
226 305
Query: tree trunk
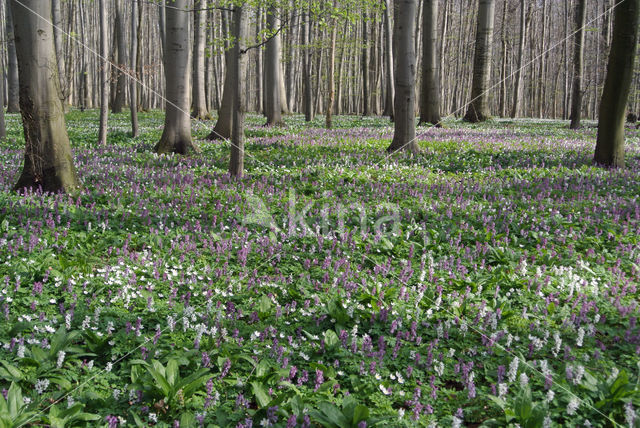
176 137
503 68
365 66
478 109
58 43
403 30
199 96
430 91
273 91
224 125
133 91
331 72
516 87
613 106
236 162
13 101
578 53
121 82
104 74
388 61
48 162
306 69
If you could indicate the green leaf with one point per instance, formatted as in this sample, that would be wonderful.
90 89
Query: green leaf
330 338
260 393
360 414
172 372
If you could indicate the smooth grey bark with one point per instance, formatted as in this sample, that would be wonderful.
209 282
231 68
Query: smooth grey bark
331 72
162 25
133 90
388 61
273 92
518 78
306 69
121 43
365 67
56 18
578 54
13 81
613 106
199 96
176 137
478 109
430 90
48 162
404 33
222 129
239 58
104 74
3 126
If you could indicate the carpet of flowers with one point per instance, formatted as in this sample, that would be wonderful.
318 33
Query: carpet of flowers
501 288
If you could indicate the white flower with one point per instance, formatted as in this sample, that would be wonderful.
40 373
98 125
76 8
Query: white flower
153 418
573 406
456 423
524 379
116 394
41 385
502 390
629 414
385 391
580 337
550 395
61 355
546 422
108 367
513 369
21 350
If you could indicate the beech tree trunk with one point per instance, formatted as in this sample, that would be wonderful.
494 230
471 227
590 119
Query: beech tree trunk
133 88
273 92
331 83
121 43
478 109
613 106
104 74
388 61
176 137
13 97
306 69
578 53
222 129
48 162
404 137
516 87
430 91
58 43
365 67
236 162
199 96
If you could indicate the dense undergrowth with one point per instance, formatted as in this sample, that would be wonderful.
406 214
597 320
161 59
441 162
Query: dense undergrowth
491 280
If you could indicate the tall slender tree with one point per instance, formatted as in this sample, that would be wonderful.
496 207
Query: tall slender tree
199 98
388 61
121 46
133 88
56 16
222 129
404 136
578 54
273 98
176 137
613 106
104 73
48 162
430 91
306 68
523 33
236 162
478 109
13 98
332 66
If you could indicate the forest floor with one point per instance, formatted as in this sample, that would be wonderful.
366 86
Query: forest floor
491 279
